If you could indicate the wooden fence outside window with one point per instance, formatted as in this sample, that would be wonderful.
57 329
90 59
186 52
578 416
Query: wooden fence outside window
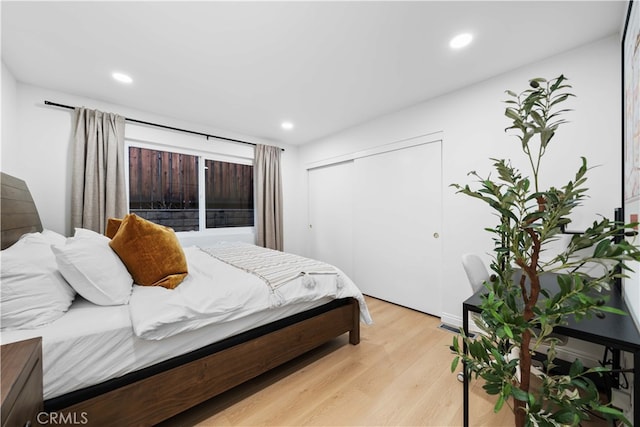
163 187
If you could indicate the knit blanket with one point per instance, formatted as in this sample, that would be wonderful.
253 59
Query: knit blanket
275 268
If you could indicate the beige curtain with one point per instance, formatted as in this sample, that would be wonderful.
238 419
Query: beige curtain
97 183
268 184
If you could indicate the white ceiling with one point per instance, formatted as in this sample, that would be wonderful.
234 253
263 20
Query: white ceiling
247 66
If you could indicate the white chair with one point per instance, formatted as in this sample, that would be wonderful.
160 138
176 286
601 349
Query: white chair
477 274
476 271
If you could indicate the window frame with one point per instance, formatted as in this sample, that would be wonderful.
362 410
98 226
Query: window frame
202 156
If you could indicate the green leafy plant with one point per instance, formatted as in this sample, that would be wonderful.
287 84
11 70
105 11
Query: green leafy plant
518 316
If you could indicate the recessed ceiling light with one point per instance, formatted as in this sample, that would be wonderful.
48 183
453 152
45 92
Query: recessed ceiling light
287 125
122 78
460 41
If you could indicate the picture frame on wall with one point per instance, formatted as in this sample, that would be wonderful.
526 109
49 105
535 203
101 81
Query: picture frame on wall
631 112
631 144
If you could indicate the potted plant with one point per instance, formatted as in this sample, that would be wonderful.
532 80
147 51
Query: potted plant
516 312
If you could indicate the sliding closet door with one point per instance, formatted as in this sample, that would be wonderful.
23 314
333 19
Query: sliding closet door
397 220
331 215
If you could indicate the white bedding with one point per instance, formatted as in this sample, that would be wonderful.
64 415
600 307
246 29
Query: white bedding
215 291
91 344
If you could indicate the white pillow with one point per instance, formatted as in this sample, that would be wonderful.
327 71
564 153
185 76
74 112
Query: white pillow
53 238
93 269
32 290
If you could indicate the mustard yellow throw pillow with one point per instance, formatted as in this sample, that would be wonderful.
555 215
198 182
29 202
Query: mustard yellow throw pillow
113 224
150 251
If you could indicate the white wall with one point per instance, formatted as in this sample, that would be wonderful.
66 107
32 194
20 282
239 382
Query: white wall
40 149
7 109
471 119
473 123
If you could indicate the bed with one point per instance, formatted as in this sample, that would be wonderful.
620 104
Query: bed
197 361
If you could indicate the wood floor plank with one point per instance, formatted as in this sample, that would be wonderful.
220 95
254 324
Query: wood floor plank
399 375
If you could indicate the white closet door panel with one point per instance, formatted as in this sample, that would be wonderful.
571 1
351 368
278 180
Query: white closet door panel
397 252
331 215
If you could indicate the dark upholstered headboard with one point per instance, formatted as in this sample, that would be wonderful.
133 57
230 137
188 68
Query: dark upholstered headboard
18 211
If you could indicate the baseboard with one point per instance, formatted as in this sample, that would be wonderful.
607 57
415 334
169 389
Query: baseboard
451 320
456 322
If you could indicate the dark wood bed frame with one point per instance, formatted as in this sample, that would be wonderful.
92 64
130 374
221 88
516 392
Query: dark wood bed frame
163 393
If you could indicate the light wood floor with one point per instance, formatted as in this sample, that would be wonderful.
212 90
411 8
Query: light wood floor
399 375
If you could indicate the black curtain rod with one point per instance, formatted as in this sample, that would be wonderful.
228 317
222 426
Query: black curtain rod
55 104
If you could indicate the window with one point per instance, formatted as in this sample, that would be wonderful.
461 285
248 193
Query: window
229 194
164 188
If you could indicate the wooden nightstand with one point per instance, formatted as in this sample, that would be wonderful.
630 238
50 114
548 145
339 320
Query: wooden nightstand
21 382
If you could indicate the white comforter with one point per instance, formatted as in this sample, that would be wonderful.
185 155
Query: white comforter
215 291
